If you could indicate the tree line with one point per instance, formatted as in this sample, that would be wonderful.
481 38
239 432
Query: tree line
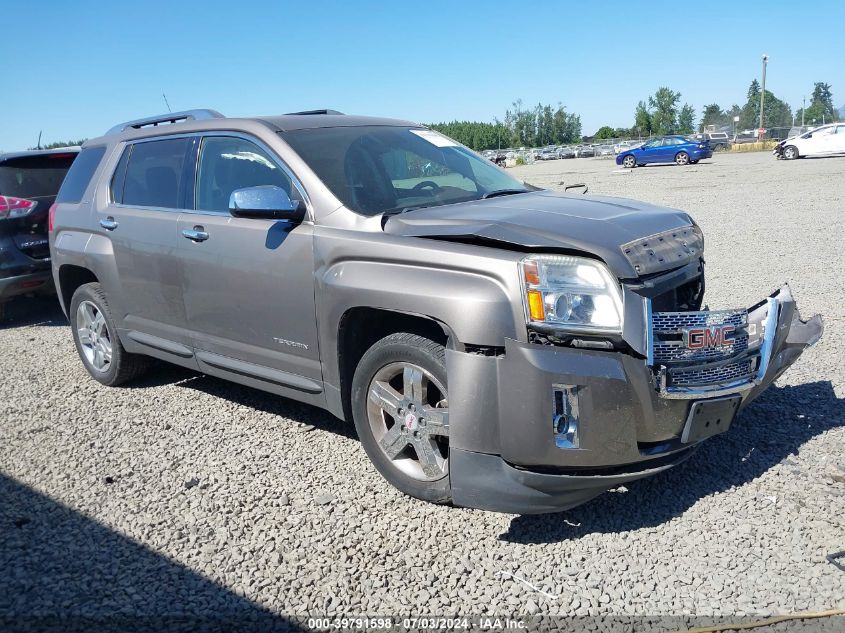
522 127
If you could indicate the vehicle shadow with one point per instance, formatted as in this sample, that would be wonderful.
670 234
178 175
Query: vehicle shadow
771 429
27 311
63 571
166 374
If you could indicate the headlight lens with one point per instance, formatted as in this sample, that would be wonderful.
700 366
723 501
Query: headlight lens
573 293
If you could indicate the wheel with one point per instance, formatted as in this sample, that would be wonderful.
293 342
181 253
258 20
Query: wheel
95 336
682 158
790 152
629 161
401 413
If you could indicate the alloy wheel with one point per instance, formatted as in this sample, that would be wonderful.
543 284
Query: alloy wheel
407 409
682 158
94 337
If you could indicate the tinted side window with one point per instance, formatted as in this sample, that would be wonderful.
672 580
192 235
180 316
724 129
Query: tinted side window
228 163
80 174
154 174
119 177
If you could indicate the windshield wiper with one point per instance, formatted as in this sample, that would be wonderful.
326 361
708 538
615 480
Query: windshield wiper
502 192
402 210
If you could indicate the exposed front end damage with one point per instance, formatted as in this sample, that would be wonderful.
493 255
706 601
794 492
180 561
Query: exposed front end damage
546 427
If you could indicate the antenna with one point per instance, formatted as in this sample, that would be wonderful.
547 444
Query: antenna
166 103
39 139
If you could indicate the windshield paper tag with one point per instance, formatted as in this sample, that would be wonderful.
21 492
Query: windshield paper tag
435 138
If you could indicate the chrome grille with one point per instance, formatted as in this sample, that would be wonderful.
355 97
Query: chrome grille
713 375
667 346
674 351
679 369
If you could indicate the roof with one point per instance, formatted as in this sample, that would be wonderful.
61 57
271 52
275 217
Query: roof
74 149
294 121
288 122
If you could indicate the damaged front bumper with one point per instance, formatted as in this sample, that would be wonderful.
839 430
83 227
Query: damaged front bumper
544 428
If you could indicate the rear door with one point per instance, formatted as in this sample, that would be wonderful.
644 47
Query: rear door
148 190
249 283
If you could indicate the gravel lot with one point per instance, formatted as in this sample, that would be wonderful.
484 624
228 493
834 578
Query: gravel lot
183 494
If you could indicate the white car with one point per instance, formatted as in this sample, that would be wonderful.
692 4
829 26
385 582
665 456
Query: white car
821 141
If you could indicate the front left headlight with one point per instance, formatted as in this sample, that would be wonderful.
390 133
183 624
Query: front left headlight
571 293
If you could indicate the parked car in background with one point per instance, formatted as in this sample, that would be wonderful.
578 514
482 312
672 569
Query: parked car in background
717 140
822 141
666 149
548 154
566 152
584 151
604 150
495 345
29 182
741 138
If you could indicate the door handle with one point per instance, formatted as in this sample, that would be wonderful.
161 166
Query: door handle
196 234
108 223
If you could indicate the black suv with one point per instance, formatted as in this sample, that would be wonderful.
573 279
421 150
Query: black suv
29 182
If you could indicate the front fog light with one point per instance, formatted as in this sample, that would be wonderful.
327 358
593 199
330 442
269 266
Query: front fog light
565 417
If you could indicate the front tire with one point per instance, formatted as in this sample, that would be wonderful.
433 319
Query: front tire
95 336
400 408
682 158
629 162
790 152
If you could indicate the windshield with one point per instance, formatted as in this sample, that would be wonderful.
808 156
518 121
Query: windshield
378 169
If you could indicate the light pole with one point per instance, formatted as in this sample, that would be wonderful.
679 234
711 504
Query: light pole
803 109
763 92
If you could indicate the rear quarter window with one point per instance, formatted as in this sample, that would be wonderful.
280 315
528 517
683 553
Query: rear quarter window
80 174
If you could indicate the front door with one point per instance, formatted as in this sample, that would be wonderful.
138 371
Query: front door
650 152
248 283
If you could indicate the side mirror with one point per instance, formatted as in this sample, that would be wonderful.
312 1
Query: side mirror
265 201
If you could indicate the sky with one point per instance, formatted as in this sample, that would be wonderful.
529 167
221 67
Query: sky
74 69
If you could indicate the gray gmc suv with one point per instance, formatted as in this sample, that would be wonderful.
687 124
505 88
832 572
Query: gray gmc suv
496 345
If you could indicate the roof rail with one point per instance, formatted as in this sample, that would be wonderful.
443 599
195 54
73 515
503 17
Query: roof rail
170 117
314 112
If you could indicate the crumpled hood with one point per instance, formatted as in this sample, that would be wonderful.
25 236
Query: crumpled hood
613 229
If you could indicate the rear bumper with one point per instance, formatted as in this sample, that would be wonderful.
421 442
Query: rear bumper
506 449
33 283
21 274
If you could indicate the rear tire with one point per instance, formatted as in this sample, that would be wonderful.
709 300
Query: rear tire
95 336
400 409
682 158
790 152
629 162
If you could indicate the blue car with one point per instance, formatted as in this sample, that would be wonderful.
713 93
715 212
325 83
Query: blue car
665 149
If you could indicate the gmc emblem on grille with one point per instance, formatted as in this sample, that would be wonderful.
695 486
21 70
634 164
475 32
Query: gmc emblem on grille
708 337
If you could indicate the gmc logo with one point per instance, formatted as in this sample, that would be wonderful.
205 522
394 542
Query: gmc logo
708 337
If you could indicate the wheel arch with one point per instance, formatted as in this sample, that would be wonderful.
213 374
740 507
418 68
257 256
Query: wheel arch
71 277
361 326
